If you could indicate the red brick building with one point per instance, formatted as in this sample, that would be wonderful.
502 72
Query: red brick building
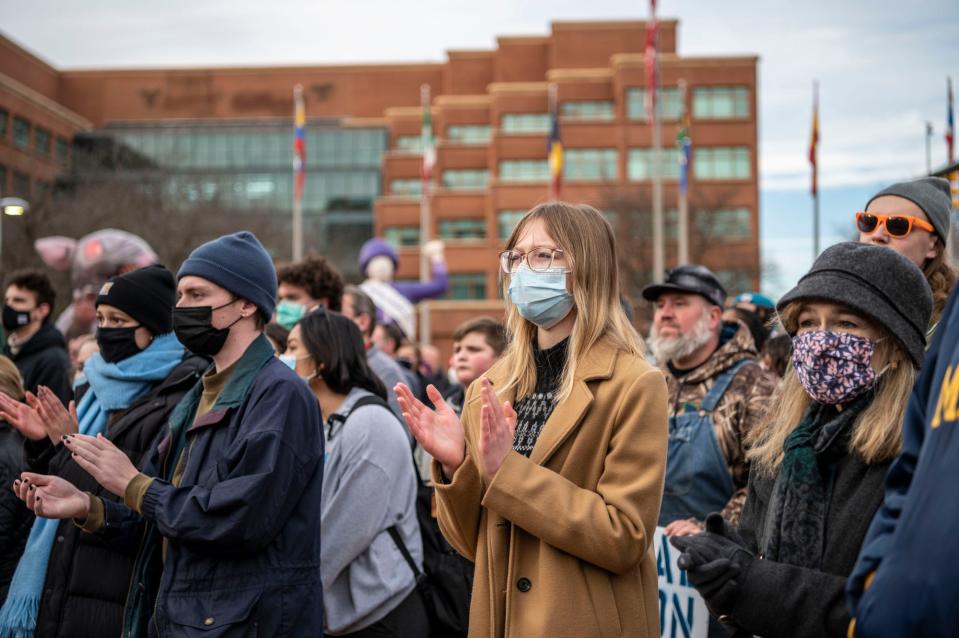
490 117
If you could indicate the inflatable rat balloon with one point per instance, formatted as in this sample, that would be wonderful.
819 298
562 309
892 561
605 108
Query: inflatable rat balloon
395 299
91 260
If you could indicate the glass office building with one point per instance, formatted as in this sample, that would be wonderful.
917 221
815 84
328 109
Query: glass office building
246 167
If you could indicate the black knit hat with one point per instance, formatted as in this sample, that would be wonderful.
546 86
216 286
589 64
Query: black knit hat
931 194
148 295
876 282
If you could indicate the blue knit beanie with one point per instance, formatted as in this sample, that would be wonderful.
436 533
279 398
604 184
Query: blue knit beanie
238 263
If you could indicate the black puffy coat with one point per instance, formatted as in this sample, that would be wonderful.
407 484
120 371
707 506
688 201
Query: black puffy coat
88 577
15 518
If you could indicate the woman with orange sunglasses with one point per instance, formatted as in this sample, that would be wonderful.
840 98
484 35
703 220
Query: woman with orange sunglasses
913 218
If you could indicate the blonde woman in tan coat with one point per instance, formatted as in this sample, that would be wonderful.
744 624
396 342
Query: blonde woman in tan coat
552 481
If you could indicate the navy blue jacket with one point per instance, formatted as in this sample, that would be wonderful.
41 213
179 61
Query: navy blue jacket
913 541
243 527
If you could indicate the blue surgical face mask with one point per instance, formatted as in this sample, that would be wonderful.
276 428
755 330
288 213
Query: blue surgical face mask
540 297
289 360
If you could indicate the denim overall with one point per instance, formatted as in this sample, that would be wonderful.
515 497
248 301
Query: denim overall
697 476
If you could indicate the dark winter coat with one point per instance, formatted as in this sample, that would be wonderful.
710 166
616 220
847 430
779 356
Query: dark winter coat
15 518
807 603
88 577
242 527
43 360
911 545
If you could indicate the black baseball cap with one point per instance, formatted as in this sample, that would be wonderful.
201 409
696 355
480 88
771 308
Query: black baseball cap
690 278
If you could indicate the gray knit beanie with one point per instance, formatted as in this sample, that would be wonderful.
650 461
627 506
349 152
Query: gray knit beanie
931 194
876 282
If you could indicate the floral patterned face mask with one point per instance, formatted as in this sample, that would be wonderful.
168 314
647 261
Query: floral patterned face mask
833 367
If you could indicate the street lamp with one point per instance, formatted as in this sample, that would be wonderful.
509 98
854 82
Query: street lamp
14 207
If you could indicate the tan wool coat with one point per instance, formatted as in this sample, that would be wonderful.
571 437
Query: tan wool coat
563 540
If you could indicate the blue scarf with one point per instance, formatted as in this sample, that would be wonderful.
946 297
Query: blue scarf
113 386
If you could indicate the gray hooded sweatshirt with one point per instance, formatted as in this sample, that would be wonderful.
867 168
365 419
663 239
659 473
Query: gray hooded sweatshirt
368 485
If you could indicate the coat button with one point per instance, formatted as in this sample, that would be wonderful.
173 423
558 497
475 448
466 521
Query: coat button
59 539
209 621
524 585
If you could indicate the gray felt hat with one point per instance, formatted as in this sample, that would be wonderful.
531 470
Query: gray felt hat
931 194
876 282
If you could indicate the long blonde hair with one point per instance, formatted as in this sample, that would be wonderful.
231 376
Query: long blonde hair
941 277
589 245
877 432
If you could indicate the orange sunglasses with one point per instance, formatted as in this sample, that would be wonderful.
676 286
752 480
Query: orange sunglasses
896 225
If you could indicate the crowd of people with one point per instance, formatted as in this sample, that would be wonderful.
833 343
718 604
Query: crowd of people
241 448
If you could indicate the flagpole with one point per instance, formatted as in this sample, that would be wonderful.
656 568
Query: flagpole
424 331
299 115
659 257
814 159
683 213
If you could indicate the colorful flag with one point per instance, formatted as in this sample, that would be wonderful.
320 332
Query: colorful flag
299 142
652 74
950 123
684 141
555 146
814 140
426 135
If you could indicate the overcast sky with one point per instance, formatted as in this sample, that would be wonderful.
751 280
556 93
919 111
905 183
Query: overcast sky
881 65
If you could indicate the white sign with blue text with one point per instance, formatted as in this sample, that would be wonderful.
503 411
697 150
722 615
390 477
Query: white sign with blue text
682 611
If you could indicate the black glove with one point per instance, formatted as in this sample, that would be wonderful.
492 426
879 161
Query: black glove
715 563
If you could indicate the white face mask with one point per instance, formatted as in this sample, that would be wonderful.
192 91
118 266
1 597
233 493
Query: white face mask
290 361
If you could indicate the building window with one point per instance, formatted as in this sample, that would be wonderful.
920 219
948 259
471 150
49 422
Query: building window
736 280
462 229
469 133
721 162
4 118
21 185
465 179
402 236
63 151
41 140
506 221
640 164
588 110
21 131
525 123
721 102
670 106
524 170
410 143
724 223
591 164
3 179
406 187
468 285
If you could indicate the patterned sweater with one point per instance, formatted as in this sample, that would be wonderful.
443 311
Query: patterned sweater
533 410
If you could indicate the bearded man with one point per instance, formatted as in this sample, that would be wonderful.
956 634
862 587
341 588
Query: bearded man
717 394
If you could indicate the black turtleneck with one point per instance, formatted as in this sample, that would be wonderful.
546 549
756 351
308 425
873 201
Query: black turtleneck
533 410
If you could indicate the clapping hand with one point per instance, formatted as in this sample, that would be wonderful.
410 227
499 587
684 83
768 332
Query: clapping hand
58 420
438 431
23 416
103 460
498 429
51 496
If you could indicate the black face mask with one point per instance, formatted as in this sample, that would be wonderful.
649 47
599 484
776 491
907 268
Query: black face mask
14 319
193 327
117 344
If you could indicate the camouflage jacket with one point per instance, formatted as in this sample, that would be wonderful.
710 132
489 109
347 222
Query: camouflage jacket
739 411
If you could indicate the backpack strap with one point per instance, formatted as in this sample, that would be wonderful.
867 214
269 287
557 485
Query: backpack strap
400 545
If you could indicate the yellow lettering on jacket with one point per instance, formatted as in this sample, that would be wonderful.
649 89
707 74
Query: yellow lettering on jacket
946 408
